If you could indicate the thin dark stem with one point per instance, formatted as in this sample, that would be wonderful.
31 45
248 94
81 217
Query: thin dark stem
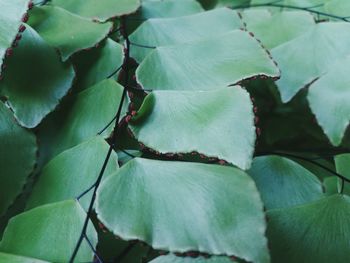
308 9
114 72
342 186
86 191
92 248
127 153
143 46
115 131
310 161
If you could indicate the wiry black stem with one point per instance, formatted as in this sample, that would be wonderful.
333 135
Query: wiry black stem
308 9
115 132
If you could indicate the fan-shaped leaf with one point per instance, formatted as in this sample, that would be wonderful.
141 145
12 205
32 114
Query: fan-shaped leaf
175 259
317 232
34 91
273 30
101 10
81 117
206 64
11 13
67 32
283 182
170 31
71 173
187 121
95 65
328 99
307 57
49 232
167 205
17 158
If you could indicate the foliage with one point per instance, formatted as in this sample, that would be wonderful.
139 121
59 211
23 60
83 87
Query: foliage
174 131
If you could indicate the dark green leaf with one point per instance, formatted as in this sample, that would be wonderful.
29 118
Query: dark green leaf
35 91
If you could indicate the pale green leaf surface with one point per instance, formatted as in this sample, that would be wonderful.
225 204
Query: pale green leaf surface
338 7
10 258
175 259
305 58
82 117
207 64
72 172
68 32
169 8
11 13
329 100
101 10
95 65
169 31
35 91
317 232
168 205
17 158
187 121
281 27
284 183
49 232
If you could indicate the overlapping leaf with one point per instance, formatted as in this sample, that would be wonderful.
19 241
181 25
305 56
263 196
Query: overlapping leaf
170 31
101 10
72 172
342 163
49 232
81 117
328 99
304 59
34 91
66 31
206 64
317 232
95 65
17 158
11 13
167 205
284 183
338 7
273 30
187 121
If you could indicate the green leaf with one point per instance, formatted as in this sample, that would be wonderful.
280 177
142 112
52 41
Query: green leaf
169 8
304 59
49 232
328 99
331 185
35 91
337 7
175 259
95 65
274 30
167 205
187 121
343 167
101 10
72 172
11 13
6 258
81 117
170 31
17 158
317 232
284 183
223 61
67 32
